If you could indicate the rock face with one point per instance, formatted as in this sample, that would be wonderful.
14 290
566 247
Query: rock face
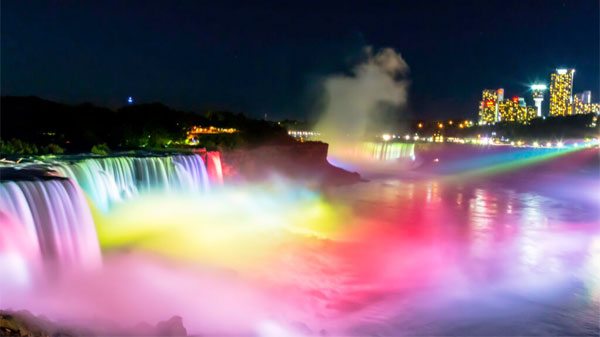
25 324
302 161
172 327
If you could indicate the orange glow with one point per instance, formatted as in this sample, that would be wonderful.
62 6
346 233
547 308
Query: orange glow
420 125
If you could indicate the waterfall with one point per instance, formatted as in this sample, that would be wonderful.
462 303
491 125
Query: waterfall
193 173
44 221
387 150
112 179
213 163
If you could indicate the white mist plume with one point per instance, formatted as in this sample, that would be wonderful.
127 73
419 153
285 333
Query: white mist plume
354 101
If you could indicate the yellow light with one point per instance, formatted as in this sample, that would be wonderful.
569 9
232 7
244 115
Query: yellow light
450 122
440 125
420 125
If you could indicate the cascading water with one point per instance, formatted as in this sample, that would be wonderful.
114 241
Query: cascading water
109 180
44 221
214 167
386 151
192 172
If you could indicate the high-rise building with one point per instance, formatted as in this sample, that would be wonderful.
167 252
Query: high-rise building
515 110
582 104
488 106
561 89
538 97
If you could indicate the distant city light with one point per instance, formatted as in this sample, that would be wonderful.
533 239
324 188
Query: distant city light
386 137
420 125
538 87
130 100
559 144
561 71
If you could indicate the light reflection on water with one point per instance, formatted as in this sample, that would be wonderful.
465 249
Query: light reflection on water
470 259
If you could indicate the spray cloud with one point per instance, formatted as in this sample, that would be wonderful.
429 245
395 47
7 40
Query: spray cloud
360 103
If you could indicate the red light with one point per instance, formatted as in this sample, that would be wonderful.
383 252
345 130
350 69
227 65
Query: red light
489 103
515 99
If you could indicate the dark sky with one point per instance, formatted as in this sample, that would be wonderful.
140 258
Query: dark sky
269 57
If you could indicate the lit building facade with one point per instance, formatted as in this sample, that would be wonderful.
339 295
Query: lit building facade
582 104
561 91
516 110
489 106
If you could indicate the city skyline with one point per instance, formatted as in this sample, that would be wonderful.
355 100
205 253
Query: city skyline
255 59
493 106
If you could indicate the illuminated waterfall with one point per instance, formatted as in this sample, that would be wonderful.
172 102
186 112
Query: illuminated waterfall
213 163
44 220
108 180
386 151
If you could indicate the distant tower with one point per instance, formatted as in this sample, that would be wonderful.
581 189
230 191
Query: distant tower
538 97
561 91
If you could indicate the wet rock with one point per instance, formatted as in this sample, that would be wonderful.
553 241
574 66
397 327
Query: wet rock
25 324
172 327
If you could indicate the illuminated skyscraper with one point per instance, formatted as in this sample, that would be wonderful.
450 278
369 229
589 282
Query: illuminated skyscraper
582 104
488 106
561 89
538 97
515 110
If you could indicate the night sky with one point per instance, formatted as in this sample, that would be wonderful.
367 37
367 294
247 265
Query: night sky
270 58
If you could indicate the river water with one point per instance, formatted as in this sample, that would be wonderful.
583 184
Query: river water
510 254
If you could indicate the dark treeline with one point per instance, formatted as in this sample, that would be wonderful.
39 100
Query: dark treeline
31 125
548 128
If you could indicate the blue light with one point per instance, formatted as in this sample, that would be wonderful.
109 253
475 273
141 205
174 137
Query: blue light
130 100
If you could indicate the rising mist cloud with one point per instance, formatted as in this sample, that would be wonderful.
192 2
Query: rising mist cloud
356 103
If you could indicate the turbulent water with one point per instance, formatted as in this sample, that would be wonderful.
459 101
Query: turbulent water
498 243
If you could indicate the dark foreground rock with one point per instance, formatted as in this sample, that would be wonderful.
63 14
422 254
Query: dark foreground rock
300 161
25 324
